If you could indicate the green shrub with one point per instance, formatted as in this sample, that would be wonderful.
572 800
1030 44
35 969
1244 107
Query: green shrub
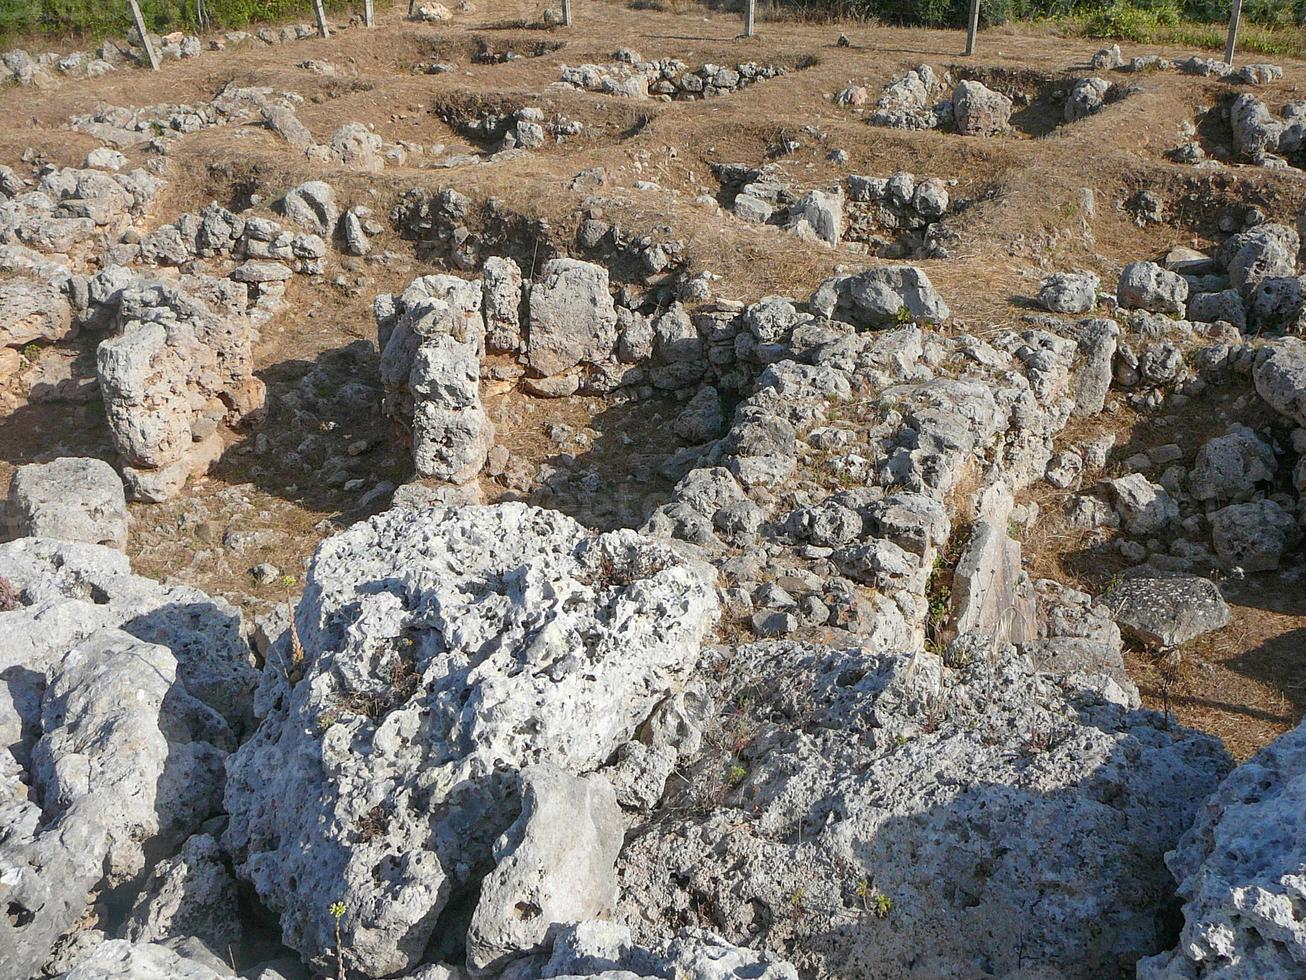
101 18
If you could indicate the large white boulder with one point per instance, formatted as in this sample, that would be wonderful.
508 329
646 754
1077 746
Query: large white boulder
444 651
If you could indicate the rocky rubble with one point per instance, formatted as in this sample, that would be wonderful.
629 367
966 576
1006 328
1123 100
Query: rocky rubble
666 78
893 217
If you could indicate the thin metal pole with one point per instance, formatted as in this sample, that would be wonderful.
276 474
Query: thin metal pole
973 28
750 17
367 13
145 35
566 13
410 8
321 19
1233 32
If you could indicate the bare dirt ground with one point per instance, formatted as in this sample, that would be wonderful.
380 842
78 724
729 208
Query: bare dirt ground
1029 217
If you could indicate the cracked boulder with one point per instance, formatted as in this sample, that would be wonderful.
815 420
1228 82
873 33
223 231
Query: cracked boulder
441 653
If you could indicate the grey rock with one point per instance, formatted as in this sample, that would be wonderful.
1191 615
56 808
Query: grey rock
1231 466
502 279
1256 133
1091 379
1226 305
1279 373
1087 96
1144 507
881 297
1253 536
115 749
1064 469
991 594
555 864
572 317
1266 251
818 214
407 723
357 148
1238 869
352 234
1147 286
1069 292
1168 612
1278 303
33 312
281 119
71 498
702 417
979 111
312 206
771 319
119 959
904 774
189 895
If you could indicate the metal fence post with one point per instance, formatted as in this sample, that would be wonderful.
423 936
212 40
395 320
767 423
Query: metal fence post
973 27
566 13
368 19
750 17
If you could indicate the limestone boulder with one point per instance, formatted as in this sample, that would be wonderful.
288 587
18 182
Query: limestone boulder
572 317
444 651
71 498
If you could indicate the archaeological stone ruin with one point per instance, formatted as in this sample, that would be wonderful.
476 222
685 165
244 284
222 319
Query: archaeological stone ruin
541 493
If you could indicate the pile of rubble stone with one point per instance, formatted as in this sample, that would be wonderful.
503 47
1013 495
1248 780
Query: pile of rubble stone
921 99
666 78
892 217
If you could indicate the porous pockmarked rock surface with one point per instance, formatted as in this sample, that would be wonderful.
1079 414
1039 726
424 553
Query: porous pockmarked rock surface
877 821
1240 873
445 650
71 498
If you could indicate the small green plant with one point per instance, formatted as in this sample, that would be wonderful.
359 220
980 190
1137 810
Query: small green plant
903 316
31 352
796 903
337 910
736 775
874 900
